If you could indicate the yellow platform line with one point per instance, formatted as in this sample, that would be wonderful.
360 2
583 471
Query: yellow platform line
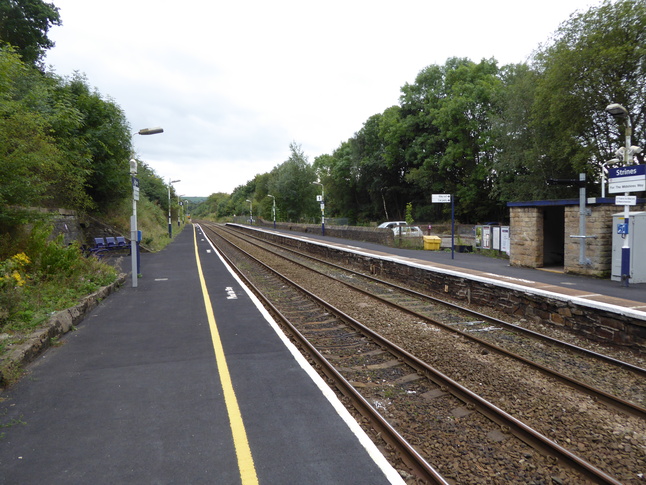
243 451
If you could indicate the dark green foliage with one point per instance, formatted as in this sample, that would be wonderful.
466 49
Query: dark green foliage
24 24
61 144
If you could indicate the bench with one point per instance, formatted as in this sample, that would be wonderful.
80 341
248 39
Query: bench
103 245
122 243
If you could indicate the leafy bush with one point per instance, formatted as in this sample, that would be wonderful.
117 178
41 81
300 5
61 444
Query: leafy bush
47 277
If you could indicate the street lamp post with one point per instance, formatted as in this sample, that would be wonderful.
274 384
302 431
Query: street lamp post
179 207
250 212
322 201
273 209
170 223
619 113
134 239
134 233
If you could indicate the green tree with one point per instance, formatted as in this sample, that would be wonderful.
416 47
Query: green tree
152 186
449 137
291 184
34 170
24 24
102 139
596 58
214 206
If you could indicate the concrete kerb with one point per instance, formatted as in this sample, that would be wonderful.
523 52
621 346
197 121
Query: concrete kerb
58 324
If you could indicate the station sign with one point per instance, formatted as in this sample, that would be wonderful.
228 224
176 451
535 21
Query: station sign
135 188
627 179
441 198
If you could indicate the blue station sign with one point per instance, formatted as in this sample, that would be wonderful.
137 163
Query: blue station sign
627 179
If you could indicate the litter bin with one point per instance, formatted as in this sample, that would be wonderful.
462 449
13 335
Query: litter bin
432 242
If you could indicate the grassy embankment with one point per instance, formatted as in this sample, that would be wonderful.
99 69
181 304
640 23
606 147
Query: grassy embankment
40 276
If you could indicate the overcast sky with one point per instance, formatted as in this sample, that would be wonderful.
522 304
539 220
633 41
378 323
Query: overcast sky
234 82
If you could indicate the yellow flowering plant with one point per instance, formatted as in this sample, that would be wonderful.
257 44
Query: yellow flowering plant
13 270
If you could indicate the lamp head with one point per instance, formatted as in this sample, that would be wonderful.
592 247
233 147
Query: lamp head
617 110
133 166
150 131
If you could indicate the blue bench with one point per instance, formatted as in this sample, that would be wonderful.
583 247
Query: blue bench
102 245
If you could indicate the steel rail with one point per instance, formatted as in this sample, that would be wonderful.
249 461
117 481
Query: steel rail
497 415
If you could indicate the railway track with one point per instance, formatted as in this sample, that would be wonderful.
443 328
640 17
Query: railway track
464 435
617 383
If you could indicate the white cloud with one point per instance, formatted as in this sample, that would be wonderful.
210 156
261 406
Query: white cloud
234 83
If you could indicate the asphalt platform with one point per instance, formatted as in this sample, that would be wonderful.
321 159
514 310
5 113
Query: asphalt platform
183 379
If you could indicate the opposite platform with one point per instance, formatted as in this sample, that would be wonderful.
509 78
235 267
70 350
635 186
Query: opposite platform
180 380
497 270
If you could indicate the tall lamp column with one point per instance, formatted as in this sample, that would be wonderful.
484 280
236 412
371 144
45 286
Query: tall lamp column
170 222
179 208
273 209
250 212
619 112
134 232
322 201
134 237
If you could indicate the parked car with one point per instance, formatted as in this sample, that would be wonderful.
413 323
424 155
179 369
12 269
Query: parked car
390 225
408 231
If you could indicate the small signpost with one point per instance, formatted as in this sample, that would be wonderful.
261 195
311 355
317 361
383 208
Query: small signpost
440 198
444 199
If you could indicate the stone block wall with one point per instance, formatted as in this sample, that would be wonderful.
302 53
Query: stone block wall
526 237
598 249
